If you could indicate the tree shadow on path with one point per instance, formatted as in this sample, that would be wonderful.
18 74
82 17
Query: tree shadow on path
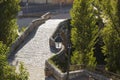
31 35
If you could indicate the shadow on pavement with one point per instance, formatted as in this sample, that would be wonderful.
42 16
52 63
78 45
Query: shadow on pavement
11 57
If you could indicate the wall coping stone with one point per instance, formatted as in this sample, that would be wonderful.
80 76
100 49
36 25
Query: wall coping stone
59 75
34 24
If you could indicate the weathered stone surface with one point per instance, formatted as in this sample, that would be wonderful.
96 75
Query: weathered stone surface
35 49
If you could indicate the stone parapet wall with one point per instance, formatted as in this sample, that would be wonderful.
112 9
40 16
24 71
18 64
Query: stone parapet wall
58 30
35 23
59 75
73 74
96 76
52 68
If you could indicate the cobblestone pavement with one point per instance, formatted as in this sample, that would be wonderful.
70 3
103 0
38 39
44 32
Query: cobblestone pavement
35 50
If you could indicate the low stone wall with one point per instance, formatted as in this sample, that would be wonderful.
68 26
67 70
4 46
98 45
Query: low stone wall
73 74
54 70
59 75
51 67
35 23
96 76
46 16
58 29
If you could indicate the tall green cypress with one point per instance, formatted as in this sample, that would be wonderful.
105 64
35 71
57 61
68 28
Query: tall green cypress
84 32
111 34
8 26
8 72
8 33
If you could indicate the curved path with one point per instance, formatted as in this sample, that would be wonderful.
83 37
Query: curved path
35 50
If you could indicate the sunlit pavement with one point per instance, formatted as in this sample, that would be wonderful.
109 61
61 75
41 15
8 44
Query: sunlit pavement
35 49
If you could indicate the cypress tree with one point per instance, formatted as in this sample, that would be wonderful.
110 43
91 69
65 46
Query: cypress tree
111 34
84 32
8 26
8 33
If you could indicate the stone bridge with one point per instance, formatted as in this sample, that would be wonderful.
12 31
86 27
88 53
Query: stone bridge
35 49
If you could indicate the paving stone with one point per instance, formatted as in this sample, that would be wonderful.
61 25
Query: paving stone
35 50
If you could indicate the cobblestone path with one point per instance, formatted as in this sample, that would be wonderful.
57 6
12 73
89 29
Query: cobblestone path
35 50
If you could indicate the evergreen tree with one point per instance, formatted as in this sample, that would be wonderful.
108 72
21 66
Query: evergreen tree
8 33
100 57
8 26
84 32
7 72
111 33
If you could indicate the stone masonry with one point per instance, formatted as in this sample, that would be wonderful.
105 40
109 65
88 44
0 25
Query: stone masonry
35 49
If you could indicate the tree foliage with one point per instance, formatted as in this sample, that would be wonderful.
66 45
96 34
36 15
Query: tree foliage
111 33
84 32
8 34
8 72
8 26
